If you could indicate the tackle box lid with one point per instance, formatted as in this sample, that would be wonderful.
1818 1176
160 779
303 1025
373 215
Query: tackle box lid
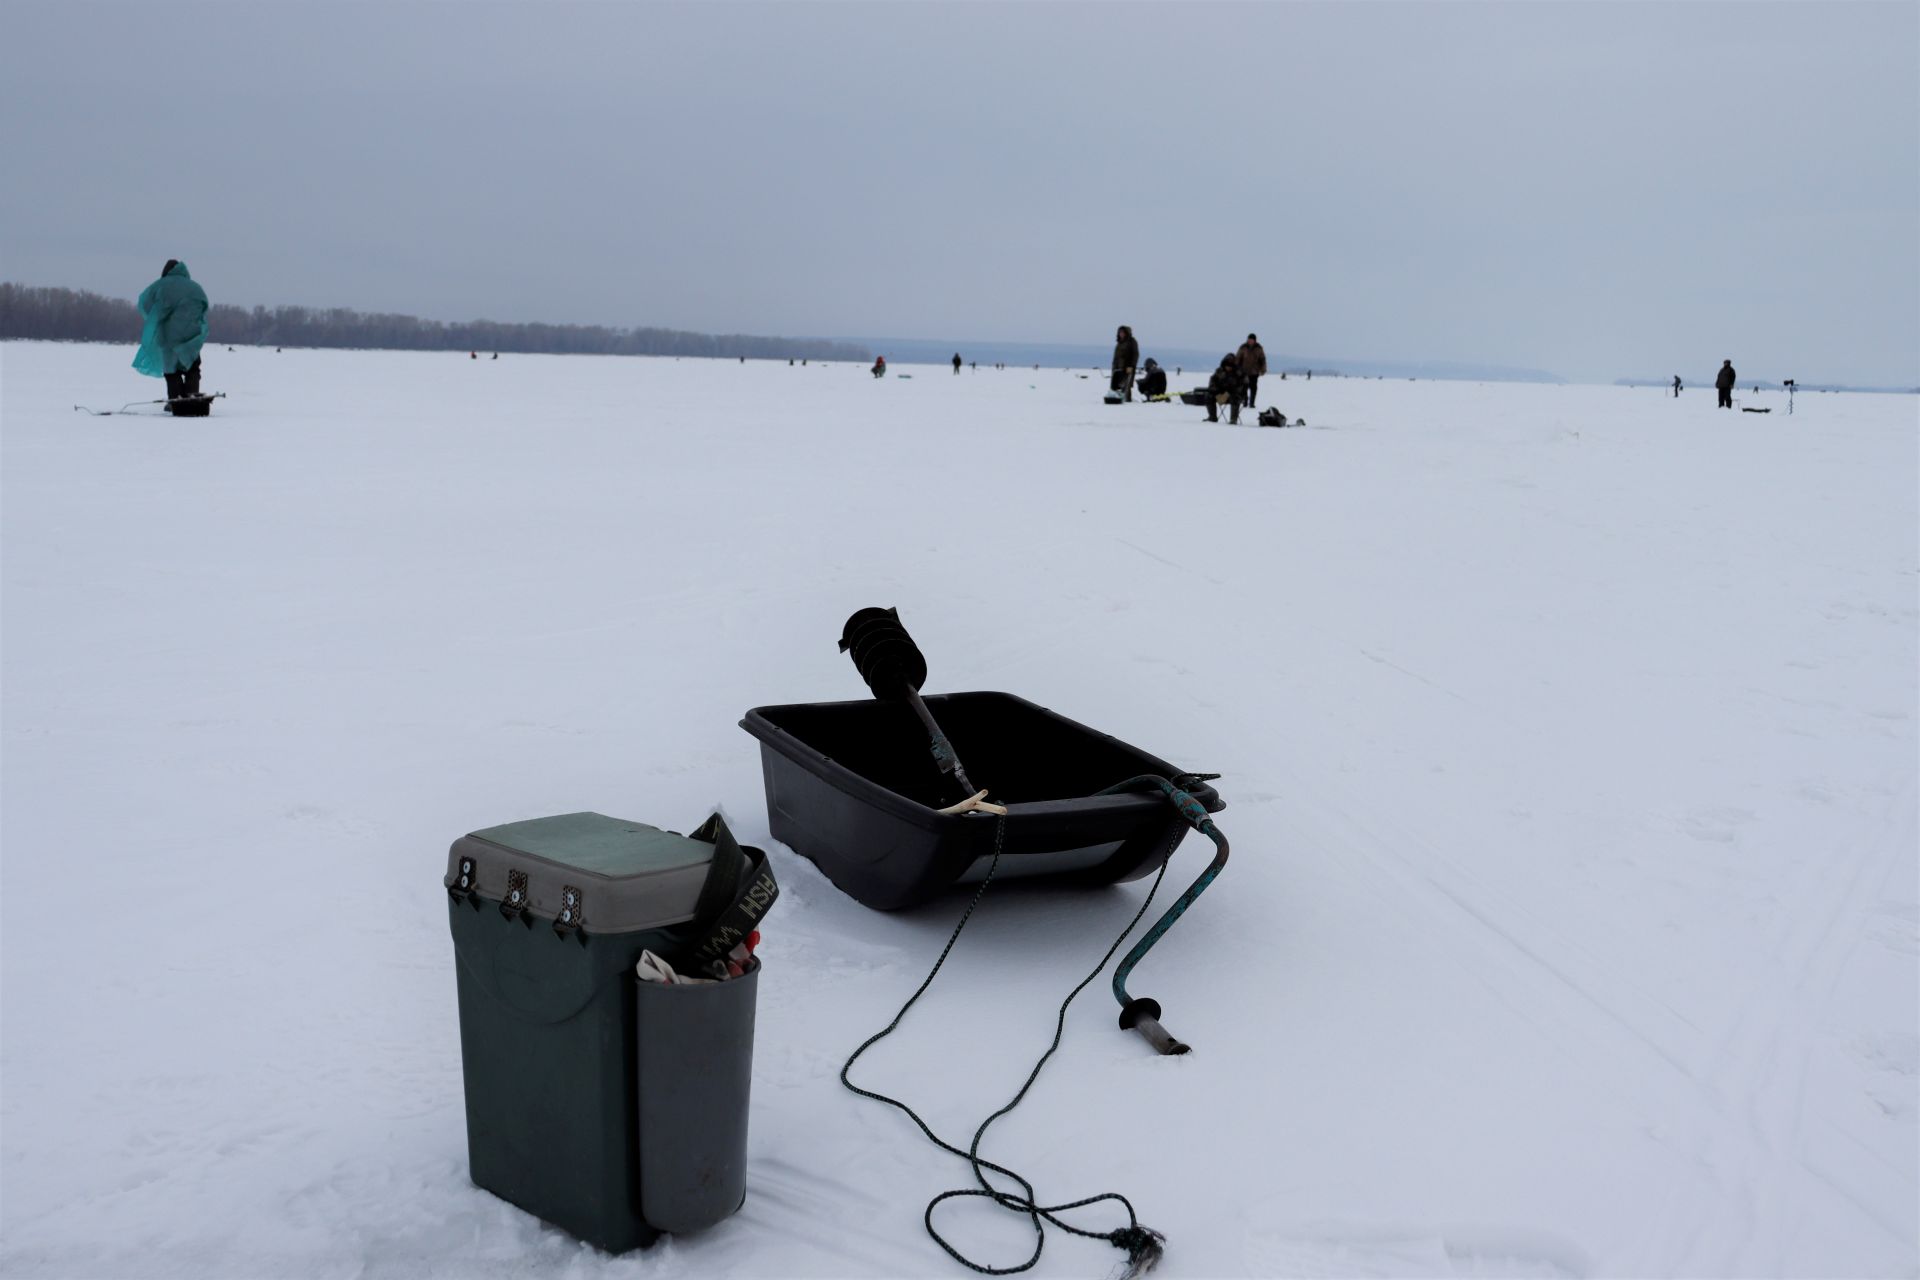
587 870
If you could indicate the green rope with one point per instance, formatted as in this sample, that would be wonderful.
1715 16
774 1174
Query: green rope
1141 1244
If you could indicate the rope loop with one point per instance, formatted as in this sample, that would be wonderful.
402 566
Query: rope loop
1142 1245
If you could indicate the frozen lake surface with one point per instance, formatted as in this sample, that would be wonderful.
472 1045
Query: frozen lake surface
1567 733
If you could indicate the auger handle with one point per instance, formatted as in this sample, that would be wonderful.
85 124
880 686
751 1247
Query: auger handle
1143 1014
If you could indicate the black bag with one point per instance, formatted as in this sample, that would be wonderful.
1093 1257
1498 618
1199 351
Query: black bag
739 889
1272 418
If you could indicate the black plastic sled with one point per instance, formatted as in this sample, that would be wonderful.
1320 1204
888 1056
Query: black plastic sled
850 785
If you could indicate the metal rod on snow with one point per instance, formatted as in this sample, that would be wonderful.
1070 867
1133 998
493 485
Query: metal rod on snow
135 404
108 413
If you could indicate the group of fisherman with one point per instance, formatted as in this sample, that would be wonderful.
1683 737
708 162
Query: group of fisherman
1234 384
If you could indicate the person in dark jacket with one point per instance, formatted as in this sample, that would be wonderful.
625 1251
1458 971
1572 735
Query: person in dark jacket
174 314
1676 386
956 362
879 366
1253 363
1153 379
1126 358
1724 384
1227 386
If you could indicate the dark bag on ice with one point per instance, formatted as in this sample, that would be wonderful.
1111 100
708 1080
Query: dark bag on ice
739 889
1272 418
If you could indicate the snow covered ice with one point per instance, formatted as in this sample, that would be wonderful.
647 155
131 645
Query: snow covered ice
1569 748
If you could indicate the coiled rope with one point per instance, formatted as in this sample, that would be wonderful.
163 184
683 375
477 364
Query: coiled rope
1142 1245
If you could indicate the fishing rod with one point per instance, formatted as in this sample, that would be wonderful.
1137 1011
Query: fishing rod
129 406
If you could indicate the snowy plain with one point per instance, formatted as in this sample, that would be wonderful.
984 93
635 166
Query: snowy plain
1568 742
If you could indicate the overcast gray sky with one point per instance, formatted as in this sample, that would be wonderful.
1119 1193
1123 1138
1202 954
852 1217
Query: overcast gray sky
1594 189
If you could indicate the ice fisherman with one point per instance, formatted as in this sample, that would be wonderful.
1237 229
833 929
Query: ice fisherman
879 366
1676 386
956 362
1153 379
1253 363
175 310
1723 383
1126 358
1227 386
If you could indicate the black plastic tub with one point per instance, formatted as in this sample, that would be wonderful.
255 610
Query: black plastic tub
852 786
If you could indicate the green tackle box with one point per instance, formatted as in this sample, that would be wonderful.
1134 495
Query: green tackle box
612 1108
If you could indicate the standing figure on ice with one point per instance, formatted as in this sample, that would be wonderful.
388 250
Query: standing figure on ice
956 362
175 310
1676 386
1126 358
1724 384
1253 363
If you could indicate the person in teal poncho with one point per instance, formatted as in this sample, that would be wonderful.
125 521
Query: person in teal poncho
176 325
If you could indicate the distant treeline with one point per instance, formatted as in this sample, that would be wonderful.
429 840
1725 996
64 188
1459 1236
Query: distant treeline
68 315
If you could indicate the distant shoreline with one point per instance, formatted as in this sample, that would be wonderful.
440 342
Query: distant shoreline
58 314
1706 384
1191 359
